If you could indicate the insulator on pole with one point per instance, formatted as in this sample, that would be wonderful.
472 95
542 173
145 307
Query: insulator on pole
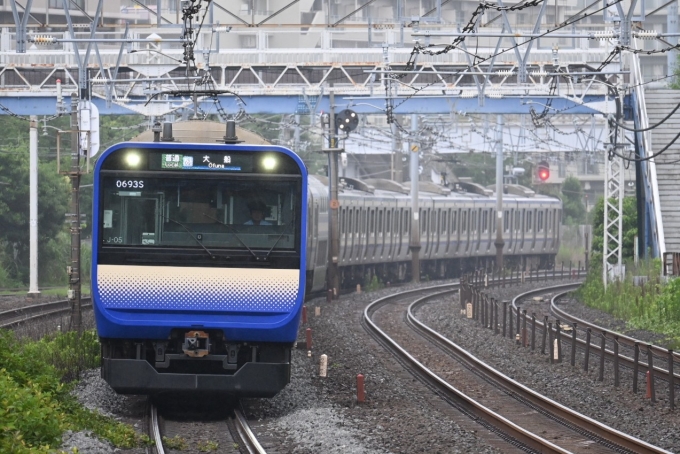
42 39
646 34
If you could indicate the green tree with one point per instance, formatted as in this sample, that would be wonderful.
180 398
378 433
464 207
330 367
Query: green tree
629 228
15 197
572 201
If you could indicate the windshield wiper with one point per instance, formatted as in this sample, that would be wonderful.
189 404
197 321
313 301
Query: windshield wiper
274 245
191 234
257 257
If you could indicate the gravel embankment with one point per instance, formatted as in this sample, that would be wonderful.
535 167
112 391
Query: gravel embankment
401 415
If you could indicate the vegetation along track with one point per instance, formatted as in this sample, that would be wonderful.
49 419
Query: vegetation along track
14 317
522 417
223 430
619 349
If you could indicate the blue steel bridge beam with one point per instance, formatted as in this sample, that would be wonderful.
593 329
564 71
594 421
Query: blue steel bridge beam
292 104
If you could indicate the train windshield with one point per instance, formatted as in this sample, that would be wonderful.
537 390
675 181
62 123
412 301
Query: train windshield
208 213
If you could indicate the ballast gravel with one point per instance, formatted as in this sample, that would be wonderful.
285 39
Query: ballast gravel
315 415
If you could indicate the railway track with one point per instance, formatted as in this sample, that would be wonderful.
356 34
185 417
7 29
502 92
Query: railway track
14 317
516 414
227 432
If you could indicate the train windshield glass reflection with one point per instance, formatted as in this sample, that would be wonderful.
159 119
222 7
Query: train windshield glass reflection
162 212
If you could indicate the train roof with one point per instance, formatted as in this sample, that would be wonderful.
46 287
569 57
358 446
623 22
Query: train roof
199 131
463 190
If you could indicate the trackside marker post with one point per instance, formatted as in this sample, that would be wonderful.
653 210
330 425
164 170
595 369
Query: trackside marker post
361 394
649 386
469 310
323 365
317 311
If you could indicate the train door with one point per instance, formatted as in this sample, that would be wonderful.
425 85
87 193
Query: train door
465 230
372 235
455 230
529 228
398 226
141 219
381 232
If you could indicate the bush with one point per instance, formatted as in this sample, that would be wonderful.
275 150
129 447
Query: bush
36 406
652 306
70 352
29 417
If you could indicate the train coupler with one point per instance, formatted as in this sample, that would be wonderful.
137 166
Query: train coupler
196 344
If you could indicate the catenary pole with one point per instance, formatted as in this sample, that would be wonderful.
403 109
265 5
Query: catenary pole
33 208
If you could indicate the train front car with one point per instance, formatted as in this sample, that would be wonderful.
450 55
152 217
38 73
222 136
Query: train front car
198 266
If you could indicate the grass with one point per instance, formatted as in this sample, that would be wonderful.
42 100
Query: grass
653 306
36 405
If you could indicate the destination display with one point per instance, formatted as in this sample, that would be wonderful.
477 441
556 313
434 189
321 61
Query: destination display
220 162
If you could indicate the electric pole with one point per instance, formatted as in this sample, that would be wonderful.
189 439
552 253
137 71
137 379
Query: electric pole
414 244
499 243
74 176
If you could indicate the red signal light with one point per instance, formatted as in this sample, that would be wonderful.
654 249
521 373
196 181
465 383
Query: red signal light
543 171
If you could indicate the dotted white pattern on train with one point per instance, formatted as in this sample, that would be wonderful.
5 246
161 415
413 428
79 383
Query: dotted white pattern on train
186 288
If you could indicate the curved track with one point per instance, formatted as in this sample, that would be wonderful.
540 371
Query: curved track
14 317
514 412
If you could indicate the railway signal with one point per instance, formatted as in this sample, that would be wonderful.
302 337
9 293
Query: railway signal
543 171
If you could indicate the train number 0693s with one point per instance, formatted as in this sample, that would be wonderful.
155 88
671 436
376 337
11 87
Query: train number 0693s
130 184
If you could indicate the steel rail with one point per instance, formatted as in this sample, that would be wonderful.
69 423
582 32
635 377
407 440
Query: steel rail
626 361
156 431
469 405
623 339
586 424
247 435
14 317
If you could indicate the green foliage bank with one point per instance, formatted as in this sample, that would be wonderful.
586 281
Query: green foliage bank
36 407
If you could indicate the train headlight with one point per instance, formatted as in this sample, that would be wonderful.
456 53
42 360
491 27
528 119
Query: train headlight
269 163
133 159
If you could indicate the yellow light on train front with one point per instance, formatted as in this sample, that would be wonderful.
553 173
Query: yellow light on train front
269 163
133 159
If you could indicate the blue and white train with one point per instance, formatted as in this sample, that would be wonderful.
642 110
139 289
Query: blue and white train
188 297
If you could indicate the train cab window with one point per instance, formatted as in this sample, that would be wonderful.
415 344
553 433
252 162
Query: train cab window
211 213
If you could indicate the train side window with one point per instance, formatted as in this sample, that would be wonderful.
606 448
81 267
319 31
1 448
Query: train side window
473 221
371 224
443 222
433 221
517 220
454 218
350 219
380 222
463 221
506 220
388 221
539 221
